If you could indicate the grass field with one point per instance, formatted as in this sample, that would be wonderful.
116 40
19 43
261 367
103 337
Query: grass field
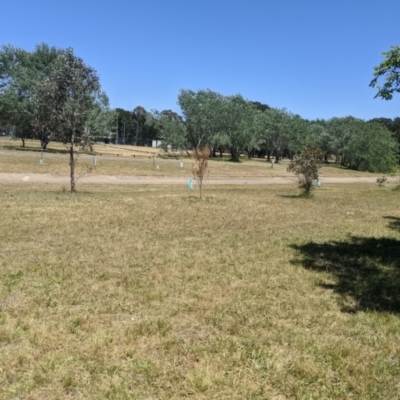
149 293
55 161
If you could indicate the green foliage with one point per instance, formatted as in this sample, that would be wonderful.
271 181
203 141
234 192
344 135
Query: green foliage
139 114
389 69
67 98
20 71
276 126
362 146
306 166
202 114
172 131
99 121
235 120
211 119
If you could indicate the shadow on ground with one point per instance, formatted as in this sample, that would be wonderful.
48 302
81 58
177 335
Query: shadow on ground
35 149
366 271
394 223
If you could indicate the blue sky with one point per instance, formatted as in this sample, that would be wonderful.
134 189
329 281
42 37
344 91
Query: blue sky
313 57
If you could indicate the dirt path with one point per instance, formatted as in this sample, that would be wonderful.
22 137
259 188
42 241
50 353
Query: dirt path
170 180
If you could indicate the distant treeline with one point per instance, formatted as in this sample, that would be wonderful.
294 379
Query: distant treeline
35 100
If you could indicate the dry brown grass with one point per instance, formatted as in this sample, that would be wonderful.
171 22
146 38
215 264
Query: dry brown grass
143 164
150 293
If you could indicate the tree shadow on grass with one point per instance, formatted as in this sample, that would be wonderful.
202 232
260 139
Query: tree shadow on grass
394 223
38 150
290 196
366 270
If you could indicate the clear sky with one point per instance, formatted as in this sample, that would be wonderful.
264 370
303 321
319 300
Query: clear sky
313 57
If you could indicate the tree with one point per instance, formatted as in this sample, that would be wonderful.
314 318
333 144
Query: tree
99 121
139 114
393 126
201 112
20 71
234 116
65 97
252 126
201 157
306 166
172 131
389 69
360 145
276 130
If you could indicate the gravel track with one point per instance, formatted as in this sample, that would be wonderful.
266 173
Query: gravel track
169 180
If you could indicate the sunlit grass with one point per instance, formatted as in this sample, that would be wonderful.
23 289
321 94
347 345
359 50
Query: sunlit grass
141 161
148 292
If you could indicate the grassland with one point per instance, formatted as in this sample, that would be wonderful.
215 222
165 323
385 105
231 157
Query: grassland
149 293
140 161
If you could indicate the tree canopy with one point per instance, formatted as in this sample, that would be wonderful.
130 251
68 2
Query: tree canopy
20 72
389 70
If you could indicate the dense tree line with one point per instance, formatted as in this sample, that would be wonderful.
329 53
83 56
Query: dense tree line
51 94
238 126
133 129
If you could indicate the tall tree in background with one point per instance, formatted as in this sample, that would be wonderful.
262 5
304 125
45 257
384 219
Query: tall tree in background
172 130
201 112
99 121
277 125
139 114
235 115
20 71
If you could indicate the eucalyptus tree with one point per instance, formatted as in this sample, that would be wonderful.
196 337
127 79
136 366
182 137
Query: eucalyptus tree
372 148
361 145
65 97
139 115
276 126
339 131
321 137
172 130
392 124
20 72
389 69
253 128
202 114
100 120
235 115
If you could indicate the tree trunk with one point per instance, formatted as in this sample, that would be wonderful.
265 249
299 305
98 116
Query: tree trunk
72 165
234 154
137 133
23 142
